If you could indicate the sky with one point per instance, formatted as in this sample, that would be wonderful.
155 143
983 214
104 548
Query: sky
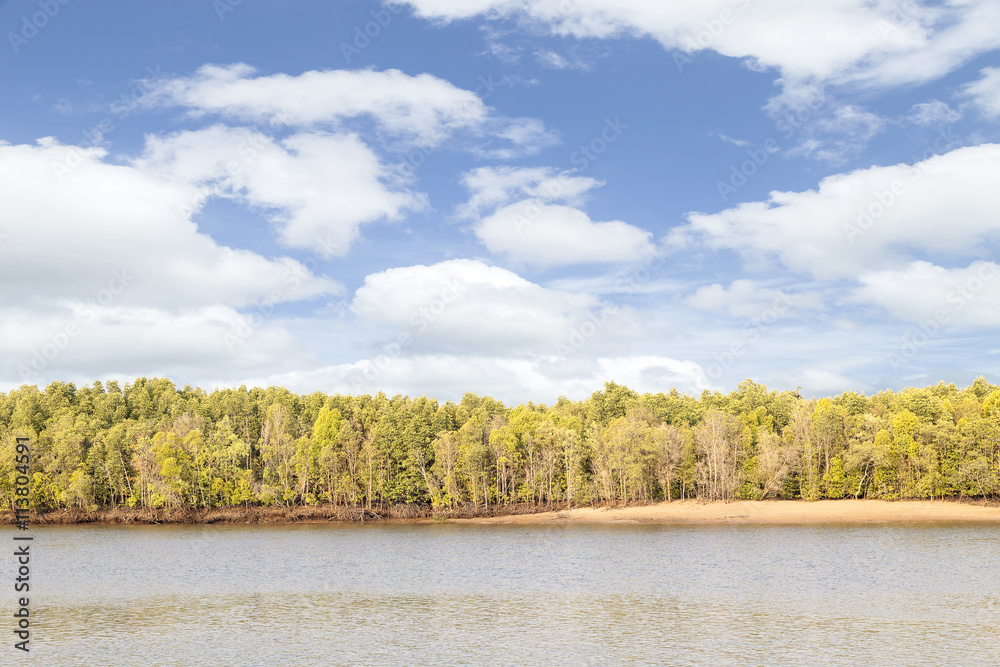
522 199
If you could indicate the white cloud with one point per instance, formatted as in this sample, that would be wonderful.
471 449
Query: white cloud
497 47
739 143
86 341
493 187
867 219
318 189
985 92
645 279
829 132
844 132
931 113
107 274
470 305
522 137
746 298
539 378
424 105
822 382
655 374
857 42
542 234
536 231
554 60
854 122
421 109
126 220
924 292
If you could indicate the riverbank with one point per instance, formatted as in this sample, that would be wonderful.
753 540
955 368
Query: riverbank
677 512
266 515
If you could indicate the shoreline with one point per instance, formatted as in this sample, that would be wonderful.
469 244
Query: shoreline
692 512
766 512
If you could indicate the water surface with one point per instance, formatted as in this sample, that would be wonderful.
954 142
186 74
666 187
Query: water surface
906 594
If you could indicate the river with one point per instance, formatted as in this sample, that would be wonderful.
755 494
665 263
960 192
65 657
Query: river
448 594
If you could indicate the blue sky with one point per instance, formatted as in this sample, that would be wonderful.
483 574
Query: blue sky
521 199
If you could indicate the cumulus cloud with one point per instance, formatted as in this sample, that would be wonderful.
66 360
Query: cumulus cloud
539 378
470 305
492 187
421 109
122 215
423 106
865 219
554 235
842 42
88 340
922 291
747 298
149 292
317 188
526 224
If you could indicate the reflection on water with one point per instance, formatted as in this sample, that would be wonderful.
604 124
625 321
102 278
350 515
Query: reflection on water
537 595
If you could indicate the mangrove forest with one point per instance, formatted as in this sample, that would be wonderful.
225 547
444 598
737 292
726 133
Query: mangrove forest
151 445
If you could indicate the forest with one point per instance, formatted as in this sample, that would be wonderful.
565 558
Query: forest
151 445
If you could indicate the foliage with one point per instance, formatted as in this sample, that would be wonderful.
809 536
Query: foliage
152 445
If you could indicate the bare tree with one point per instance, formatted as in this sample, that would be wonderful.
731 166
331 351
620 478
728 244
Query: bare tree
718 439
774 462
668 444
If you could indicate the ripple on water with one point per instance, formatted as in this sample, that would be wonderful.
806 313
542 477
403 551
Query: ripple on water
545 595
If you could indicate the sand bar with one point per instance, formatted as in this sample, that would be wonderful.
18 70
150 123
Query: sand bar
765 512
677 512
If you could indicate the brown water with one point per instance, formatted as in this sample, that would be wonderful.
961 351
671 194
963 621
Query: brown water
527 595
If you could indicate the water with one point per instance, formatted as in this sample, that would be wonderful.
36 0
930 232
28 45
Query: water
407 594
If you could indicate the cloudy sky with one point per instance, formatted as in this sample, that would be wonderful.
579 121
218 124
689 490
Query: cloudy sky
517 198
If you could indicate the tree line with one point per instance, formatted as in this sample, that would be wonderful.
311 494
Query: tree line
152 445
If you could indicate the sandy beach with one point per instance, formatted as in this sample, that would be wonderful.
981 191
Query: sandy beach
676 512
764 512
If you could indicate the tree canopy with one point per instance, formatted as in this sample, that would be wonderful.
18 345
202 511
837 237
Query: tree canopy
149 444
